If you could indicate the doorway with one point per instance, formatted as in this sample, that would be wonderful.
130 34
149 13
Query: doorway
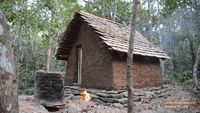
79 56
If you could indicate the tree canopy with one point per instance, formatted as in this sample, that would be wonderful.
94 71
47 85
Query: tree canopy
37 27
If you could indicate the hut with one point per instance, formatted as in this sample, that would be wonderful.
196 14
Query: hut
96 49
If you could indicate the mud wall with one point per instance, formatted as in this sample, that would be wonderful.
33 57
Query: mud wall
146 72
97 62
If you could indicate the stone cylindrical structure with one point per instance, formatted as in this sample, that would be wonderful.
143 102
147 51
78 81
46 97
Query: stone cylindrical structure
49 86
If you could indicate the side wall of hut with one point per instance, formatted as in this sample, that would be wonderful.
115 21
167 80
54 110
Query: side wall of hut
146 72
96 61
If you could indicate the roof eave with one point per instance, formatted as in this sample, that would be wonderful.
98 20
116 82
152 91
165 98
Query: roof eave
62 57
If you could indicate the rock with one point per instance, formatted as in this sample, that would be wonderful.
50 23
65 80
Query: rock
122 100
164 90
92 91
67 92
29 99
138 110
164 95
112 92
125 94
76 93
117 95
136 99
103 95
98 101
164 86
150 95
125 105
138 94
154 89
74 88
75 97
108 100
94 96
68 95
150 107
138 104
26 97
117 105
145 100
102 91
121 91
148 111
158 92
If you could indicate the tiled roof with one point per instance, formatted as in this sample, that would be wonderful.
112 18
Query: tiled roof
113 34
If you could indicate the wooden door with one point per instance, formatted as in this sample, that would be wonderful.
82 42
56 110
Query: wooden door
79 65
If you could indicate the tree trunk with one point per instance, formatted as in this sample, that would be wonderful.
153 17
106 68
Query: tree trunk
49 53
149 23
8 82
190 36
196 67
130 58
189 33
114 11
162 63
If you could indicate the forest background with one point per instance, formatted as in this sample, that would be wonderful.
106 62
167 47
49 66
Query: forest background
37 27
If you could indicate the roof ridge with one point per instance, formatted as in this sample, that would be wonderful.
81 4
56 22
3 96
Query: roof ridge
113 34
114 22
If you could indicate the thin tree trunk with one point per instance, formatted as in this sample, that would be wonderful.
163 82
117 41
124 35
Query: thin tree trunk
149 23
49 53
191 49
196 67
162 63
8 82
50 36
130 58
190 34
114 11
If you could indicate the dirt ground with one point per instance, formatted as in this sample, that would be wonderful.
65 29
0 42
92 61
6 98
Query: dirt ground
74 105
155 105
28 105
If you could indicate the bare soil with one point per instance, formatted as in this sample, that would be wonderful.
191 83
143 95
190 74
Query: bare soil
154 105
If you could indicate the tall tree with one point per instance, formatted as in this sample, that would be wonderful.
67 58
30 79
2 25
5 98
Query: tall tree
196 67
130 58
116 10
33 24
8 82
49 54
149 19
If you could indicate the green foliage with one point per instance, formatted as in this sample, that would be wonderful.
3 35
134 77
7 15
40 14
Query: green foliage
176 78
171 5
117 10
32 24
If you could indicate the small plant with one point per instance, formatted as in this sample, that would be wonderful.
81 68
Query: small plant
177 78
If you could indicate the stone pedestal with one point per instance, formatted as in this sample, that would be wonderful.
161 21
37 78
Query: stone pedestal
49 86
